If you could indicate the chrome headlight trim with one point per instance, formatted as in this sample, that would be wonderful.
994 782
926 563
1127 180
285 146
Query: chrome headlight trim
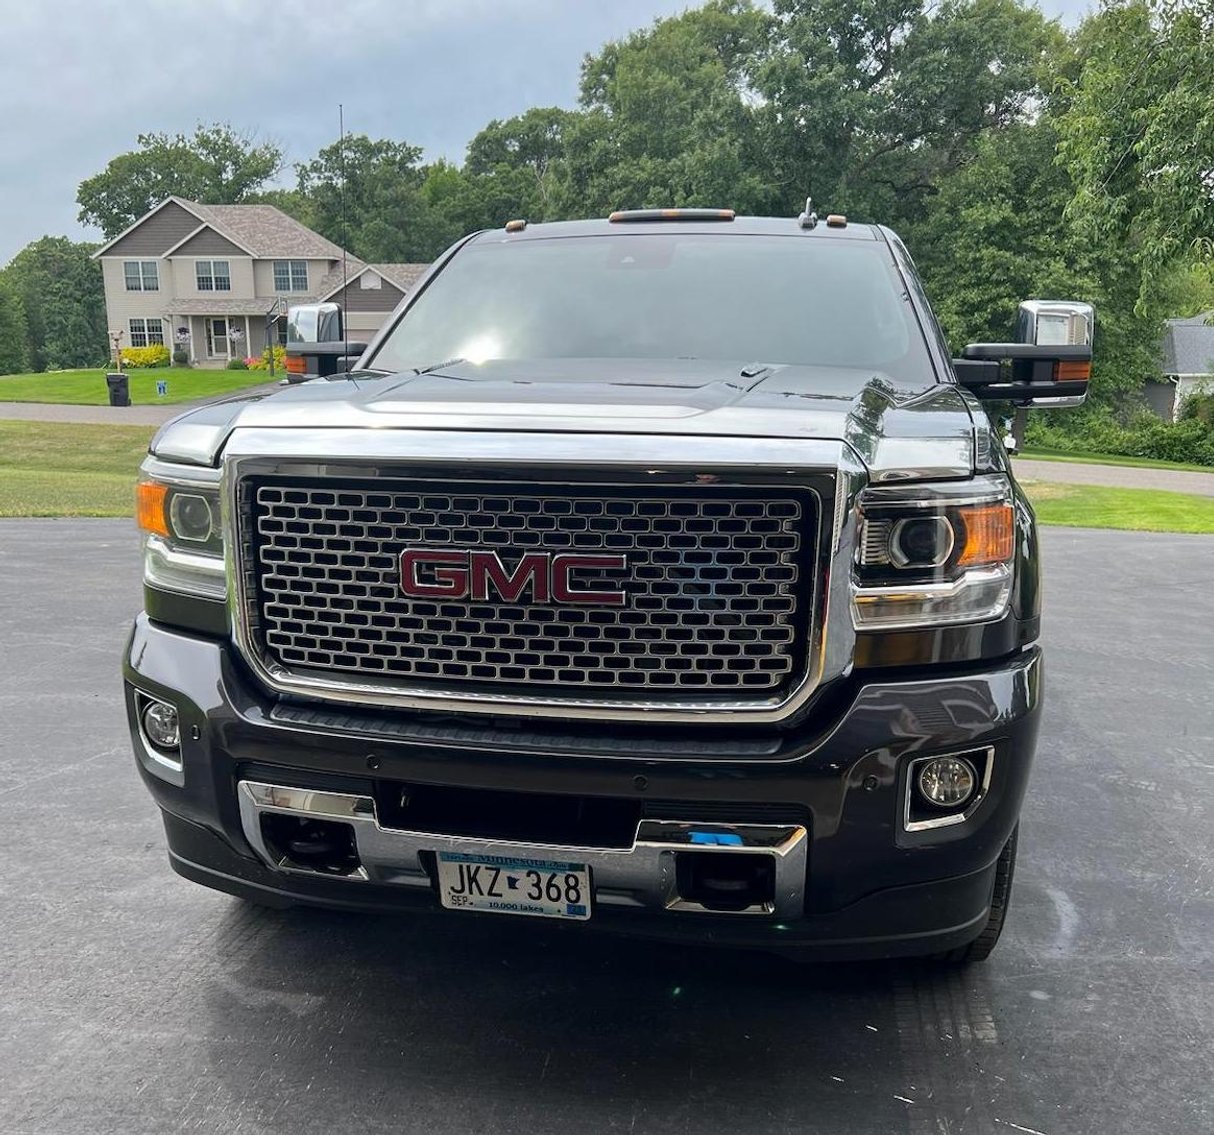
186 573
950 593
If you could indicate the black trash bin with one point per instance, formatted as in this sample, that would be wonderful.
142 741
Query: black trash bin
120 389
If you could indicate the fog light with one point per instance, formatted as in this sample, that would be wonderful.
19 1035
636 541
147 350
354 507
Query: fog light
161 725
947 782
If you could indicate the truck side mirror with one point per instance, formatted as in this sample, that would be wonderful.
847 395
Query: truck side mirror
316 343
1048 367
314 323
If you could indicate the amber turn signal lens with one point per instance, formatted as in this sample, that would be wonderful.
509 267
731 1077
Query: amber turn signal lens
150 499
1070 371
297 364
989 535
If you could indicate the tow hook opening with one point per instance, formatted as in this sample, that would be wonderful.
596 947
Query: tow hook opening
327 847
726 881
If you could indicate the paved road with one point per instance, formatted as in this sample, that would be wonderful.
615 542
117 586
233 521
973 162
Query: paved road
148 415
133 1002
91 415
1117 476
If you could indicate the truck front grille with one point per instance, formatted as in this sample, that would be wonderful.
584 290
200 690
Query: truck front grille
716 602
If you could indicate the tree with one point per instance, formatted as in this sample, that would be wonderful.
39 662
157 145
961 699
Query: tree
667 118
63 300
997 234
521 159
14 357
868 103
216 165
1138 135
367 196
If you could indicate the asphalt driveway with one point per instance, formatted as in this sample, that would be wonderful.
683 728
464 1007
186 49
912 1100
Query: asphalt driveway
133 1002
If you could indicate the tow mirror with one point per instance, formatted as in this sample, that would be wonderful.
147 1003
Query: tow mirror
316 343
1049 366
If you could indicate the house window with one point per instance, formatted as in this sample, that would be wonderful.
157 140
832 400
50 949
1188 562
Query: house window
147 333
141 275
213 275
290 275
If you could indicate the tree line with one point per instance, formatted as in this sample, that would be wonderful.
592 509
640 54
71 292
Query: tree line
1016 157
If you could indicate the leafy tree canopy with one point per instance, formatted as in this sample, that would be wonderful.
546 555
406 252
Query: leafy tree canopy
216 165
62 300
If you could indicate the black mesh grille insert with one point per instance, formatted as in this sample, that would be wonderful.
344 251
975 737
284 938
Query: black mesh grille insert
715 599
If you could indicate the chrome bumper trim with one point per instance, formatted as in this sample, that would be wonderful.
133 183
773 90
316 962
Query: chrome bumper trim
642 875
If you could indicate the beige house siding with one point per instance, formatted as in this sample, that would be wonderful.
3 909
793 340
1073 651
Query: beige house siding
121 306
157 234
185 277
263 276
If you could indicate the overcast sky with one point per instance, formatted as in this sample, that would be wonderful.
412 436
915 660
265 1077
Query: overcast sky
80 78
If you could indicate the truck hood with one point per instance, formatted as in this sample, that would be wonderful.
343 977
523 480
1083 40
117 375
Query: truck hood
899 432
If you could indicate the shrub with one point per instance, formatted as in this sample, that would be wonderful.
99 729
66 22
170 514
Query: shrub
1198 407
1191 440
280 359
181 357
237 364
135 358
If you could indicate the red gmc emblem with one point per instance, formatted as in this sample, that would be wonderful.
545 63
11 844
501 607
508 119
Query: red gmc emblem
427 573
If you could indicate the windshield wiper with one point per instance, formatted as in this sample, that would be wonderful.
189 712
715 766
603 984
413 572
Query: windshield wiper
438 366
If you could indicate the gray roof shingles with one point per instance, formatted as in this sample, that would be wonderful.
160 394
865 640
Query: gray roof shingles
404 276
1188 345
266 231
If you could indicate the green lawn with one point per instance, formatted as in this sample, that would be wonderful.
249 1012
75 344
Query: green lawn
87 387
53 469
1096 506
59 469
1109 459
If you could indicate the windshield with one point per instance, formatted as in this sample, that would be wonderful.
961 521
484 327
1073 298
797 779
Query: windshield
743 298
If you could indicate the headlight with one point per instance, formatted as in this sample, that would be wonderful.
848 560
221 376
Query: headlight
178 511
934 555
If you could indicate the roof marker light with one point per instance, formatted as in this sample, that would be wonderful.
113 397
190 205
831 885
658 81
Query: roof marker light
633 215
515 226
836 221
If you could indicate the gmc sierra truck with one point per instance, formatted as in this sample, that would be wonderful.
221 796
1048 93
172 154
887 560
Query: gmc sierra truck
660 572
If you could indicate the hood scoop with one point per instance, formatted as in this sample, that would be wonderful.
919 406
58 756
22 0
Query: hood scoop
553 398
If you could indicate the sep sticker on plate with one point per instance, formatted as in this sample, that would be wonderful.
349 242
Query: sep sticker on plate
505 885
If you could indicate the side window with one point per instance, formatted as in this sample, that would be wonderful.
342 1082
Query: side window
141 275
213 275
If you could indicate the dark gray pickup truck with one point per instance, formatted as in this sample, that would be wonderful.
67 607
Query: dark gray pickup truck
660 572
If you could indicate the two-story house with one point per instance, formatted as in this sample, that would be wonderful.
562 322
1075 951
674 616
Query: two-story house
215 280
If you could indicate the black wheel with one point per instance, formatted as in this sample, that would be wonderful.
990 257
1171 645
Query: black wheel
980 948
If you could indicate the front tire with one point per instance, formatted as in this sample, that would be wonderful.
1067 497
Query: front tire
981 947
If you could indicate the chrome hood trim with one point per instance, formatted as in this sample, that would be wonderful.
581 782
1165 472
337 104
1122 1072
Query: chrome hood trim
900 432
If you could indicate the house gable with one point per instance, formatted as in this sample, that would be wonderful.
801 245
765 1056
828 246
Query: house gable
159 231
359 298
207 242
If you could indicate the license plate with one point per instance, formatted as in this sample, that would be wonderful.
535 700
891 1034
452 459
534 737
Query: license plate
505 885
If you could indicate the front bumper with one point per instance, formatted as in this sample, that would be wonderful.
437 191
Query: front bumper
826 803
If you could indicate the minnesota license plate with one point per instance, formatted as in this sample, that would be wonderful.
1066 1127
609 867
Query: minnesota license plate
505 885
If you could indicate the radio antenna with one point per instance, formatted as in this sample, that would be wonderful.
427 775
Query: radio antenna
345 298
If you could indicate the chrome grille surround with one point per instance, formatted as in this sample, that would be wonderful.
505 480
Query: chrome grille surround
557 466
714 595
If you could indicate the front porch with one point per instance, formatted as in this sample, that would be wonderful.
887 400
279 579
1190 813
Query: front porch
215 332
